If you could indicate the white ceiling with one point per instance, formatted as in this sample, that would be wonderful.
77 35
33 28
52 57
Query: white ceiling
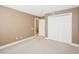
40 10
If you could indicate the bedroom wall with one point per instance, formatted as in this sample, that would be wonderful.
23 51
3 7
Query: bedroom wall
14 24
75 22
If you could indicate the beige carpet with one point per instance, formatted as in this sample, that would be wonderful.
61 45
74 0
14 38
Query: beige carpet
40 45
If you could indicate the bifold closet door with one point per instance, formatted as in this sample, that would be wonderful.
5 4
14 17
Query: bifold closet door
60 27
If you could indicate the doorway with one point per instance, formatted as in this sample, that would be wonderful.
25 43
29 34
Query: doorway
42 27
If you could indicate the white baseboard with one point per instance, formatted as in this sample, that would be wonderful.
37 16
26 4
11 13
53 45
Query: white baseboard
7 45
72 44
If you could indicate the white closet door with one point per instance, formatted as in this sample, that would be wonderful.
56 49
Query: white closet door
60 27
42 27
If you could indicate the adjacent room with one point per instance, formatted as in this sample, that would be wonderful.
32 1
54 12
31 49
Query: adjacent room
39 29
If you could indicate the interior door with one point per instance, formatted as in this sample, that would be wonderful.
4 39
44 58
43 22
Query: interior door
42 27
60 27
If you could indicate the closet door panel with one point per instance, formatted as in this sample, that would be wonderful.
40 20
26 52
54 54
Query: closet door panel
60 28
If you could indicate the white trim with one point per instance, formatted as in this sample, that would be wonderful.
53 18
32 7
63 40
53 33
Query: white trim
7 45
76 45
72 44
56 15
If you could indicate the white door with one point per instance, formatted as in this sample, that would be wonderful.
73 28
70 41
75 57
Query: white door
60 27
42 27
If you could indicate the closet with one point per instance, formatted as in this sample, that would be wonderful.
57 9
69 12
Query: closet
60 27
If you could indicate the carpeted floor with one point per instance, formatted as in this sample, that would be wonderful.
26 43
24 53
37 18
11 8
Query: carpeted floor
40 45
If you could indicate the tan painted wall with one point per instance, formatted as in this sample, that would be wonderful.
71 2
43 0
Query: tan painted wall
75 22
14 24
